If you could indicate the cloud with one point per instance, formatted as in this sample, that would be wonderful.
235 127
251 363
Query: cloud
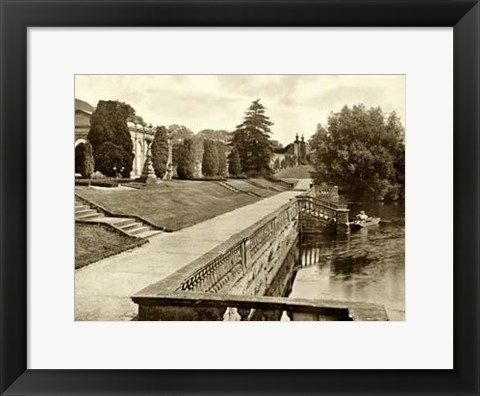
295 103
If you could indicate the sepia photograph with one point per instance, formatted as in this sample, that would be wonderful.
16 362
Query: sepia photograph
239 197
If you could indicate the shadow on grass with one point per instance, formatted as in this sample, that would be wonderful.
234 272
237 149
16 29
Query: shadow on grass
94 242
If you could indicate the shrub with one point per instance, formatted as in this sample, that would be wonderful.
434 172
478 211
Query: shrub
160 151
108 123
234 167
112 160
185 158
210 158
104 183
222 159
84 162
82 182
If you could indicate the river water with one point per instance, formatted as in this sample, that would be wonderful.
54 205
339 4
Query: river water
367 265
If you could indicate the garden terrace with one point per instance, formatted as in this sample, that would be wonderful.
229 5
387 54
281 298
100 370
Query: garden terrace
247 187
171 205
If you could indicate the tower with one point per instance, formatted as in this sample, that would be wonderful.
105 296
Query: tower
296 150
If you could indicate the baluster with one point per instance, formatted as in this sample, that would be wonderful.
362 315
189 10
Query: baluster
243 312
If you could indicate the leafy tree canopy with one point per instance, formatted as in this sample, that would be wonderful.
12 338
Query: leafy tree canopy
361 149
180 133
112 160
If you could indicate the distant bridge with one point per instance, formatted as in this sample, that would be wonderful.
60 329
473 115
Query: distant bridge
316 215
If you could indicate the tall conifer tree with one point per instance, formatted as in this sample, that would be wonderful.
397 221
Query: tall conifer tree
252 140
210 158
160 151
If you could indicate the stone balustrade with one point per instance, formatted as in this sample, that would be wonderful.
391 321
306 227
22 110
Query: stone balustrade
257 250
314 212
155 305
236 280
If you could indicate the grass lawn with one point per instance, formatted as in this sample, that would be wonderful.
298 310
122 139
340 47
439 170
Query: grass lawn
296 172
94 242
174 205
244 185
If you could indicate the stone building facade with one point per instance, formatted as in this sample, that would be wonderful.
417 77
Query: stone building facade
297 150
138 134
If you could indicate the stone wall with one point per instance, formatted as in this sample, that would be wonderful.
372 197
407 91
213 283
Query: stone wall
255 262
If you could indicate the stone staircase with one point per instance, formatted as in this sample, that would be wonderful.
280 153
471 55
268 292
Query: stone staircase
85 212
129 226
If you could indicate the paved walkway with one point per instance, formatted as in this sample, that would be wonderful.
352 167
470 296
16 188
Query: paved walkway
103 289
303 184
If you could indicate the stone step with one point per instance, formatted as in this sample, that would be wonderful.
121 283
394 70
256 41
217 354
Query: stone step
124 222
89 216
84 211
78 207
132 226
149 233
139 230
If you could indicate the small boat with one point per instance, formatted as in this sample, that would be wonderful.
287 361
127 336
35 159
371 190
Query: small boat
371 221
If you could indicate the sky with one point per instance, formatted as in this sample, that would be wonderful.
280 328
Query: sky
294 103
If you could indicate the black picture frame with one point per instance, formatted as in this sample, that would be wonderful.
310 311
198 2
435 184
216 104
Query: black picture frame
18 15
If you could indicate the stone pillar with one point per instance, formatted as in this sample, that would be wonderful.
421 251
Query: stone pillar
343 226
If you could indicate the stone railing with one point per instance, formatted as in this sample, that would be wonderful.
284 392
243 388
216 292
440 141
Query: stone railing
213 276
239 257
234 280
155 305
333 214
326 193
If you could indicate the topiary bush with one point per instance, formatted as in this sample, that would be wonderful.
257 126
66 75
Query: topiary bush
84 162
210 158
234 168
112 160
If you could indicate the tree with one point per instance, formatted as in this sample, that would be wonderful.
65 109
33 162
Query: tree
84 162
185 159
222 159
180 133
111 159
252 140
276 165
303 153
160 151
361 151
108 123
210 158
234 167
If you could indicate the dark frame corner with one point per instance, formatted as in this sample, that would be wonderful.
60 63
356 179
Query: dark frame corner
17 15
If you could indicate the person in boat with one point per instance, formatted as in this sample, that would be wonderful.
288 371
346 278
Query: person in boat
362 216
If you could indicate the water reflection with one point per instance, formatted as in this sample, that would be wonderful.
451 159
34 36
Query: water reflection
368 265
